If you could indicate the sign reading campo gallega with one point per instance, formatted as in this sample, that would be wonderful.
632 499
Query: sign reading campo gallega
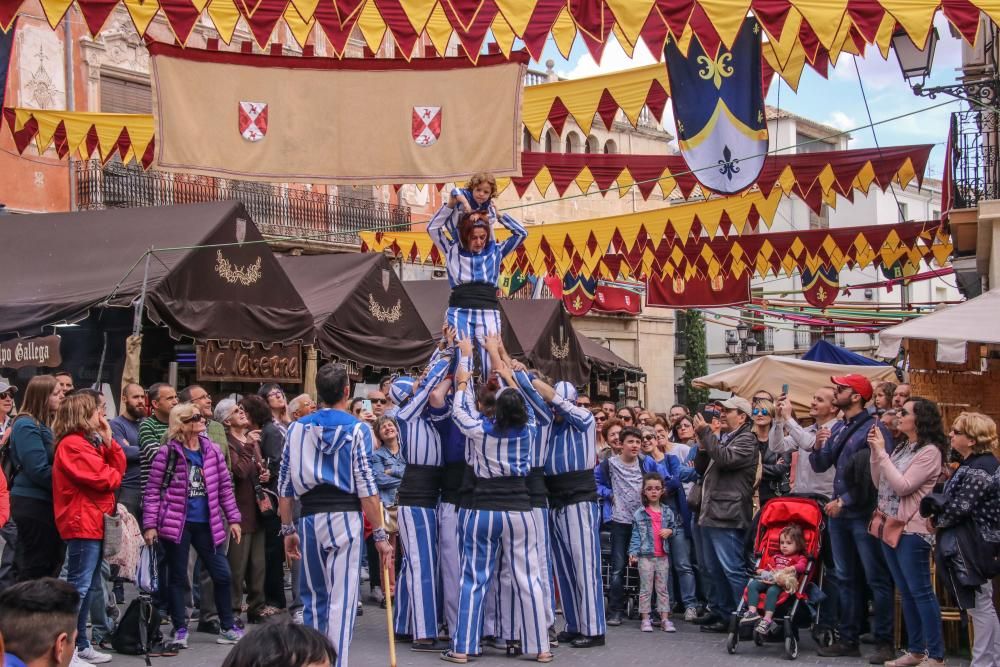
234 362
25 352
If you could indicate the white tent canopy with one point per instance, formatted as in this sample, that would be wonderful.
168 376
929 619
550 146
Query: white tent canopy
976 321
772 371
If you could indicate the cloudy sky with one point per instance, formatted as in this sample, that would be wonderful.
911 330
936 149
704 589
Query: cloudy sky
837 100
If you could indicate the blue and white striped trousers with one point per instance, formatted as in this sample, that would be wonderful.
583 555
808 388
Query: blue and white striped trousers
417 589
331 545
576 550
501 611
449 562
485 534
475 323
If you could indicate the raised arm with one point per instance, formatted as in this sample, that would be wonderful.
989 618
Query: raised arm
578 417
463 409
537 402
438 232
517 234
436 371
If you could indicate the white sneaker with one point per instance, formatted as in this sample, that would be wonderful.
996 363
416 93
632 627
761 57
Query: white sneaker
92 656
364 574
77 662
690 614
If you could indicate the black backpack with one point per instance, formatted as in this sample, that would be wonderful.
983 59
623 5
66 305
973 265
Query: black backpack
139 628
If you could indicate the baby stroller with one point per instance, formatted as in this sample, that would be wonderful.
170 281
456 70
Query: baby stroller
791 613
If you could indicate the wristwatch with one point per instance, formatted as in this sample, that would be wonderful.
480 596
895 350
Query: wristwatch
287 529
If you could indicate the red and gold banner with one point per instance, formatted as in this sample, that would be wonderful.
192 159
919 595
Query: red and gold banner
292 119
615 299
697 292
83 134
798 31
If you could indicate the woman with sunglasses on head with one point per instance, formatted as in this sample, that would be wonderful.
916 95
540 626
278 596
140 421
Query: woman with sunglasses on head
969 506
250 475
278 404
903 478
188 502
775 467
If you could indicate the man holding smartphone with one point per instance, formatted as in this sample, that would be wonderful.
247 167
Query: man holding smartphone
788 436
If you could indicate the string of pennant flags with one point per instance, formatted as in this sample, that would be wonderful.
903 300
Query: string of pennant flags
798 32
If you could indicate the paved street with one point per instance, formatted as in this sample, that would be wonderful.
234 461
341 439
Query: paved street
626 646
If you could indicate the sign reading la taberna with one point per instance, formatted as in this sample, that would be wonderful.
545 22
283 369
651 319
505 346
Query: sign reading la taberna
233 362
26 352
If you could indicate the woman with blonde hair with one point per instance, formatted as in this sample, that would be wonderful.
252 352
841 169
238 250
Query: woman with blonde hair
39 552
971 499
87 469
188 502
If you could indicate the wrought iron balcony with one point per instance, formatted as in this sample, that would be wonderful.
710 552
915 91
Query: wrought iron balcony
277 211
974 157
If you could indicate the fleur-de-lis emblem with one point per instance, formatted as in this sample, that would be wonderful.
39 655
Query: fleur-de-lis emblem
727 166
821 294
716 70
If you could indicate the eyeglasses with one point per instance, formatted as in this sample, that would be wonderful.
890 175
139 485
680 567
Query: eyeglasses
649 437
954 432
193 419
7 394
275 393
625 417
757 412
380 401
600 418
903 413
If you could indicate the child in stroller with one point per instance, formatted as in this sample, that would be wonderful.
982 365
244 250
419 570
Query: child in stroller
783 575
788 612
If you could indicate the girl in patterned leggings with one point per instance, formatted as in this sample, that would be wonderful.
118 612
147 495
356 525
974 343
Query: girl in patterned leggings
652 527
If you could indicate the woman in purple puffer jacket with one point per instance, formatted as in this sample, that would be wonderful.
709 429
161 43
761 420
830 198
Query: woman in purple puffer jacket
188 493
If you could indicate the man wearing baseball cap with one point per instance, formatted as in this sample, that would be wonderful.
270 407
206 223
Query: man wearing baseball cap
726 505
854 500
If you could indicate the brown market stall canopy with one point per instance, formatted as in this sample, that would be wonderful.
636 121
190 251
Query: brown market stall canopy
537 331
210 275
360 310
605 360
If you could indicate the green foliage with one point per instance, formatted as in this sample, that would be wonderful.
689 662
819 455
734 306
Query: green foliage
696 360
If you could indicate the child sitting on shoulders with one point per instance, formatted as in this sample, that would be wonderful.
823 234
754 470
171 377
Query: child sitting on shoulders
476 195
649 549
784 574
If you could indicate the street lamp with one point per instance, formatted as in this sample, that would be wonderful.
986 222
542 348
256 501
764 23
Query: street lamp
915 64
741 344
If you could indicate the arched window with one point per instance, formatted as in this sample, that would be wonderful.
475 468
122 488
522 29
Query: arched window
550 141
526 140
610 148
593 145
572 143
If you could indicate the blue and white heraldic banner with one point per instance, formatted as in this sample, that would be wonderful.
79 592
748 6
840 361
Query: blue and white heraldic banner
718 108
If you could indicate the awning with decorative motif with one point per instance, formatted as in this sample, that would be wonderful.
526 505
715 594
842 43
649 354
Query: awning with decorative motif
669 242
798 31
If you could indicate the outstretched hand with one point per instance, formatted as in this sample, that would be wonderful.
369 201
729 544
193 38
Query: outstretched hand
465 347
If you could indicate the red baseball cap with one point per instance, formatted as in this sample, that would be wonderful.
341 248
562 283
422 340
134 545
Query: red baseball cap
859 383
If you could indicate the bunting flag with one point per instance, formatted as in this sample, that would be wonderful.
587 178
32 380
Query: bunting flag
816 178
83 134
578 294
236 115
820 287
718 105
6 48
610 298
798 31
698 292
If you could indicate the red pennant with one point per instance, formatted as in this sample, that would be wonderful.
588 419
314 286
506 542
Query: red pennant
676 292
612 299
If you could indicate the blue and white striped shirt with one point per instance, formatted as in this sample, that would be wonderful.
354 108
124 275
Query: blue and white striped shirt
327 447
573 443
543 418
467 267
419 439
489 452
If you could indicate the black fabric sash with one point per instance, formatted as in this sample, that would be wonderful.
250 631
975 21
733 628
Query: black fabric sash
537 491
570 488
477 296
327 498
421 486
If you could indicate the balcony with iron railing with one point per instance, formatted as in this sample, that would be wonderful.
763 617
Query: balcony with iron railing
975 150
278 211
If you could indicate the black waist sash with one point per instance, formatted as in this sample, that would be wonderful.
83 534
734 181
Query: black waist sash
451 482
478 296
537 492
571 487
328 498
421 486
500 494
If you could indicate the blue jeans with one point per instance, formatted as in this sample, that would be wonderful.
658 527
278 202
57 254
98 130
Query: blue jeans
621 534
849 537
101 625
701 575
910 564
680 562
198 536
724 563
84 574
